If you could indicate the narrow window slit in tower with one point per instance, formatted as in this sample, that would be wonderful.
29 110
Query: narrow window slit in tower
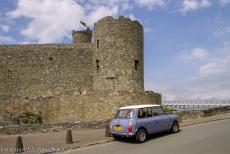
97 44
137 65
97 64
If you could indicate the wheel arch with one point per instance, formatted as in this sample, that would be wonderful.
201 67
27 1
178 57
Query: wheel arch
175 120
141 128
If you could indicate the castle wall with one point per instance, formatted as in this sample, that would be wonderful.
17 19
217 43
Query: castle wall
32 71
83 81
118 55
79 37
72 107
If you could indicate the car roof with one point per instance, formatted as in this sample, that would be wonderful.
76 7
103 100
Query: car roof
139 106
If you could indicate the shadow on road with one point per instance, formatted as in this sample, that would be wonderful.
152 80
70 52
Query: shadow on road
150 137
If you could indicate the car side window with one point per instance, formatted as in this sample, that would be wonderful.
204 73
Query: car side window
145 112
157 111
149 112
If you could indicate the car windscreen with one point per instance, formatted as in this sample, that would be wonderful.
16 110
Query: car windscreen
125 113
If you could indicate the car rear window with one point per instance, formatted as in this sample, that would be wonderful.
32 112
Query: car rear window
125 113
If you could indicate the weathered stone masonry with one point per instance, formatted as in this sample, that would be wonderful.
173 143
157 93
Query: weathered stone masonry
87 80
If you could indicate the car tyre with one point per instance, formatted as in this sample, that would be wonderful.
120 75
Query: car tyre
141 136
175 127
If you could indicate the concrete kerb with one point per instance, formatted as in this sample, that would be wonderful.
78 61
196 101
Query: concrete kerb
85 145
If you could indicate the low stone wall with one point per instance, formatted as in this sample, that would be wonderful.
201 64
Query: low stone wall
57 127
52 127
194 114
215 111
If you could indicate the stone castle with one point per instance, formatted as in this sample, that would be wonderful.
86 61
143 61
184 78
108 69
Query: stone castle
89 79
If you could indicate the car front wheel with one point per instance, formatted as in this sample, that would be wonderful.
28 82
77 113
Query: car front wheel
175 127
141 136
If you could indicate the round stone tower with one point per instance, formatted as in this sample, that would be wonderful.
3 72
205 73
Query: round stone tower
118 55
79 37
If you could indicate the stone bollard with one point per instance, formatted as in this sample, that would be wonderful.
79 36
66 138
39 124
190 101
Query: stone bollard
69 138
107 130
19 145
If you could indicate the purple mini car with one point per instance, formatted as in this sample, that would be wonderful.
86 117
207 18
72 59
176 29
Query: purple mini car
139 121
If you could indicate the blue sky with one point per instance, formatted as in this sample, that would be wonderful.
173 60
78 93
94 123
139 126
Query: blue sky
187 42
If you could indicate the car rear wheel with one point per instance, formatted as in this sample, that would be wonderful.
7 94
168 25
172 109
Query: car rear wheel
141 136
175 127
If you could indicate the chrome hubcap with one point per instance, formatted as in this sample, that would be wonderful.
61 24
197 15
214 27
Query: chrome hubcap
175 127
142 136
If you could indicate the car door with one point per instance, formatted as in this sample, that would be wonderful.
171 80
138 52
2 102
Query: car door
144 119
161 120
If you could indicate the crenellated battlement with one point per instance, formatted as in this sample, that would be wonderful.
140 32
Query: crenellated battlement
84 36
120 19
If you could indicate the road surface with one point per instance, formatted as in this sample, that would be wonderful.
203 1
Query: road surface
208 138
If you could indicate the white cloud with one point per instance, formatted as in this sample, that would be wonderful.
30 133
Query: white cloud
199 53
122 4
194 54
53 20
211 68
132 17
222 31
211 80
100 12
224 2
50 20
148 29
191 5
150 4
205 3
6 39
5 28
98 9
218 65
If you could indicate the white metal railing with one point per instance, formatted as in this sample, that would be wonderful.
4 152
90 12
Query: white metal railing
189 104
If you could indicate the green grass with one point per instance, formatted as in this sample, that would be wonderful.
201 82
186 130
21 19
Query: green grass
169 110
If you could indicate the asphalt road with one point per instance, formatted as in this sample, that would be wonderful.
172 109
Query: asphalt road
208 138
